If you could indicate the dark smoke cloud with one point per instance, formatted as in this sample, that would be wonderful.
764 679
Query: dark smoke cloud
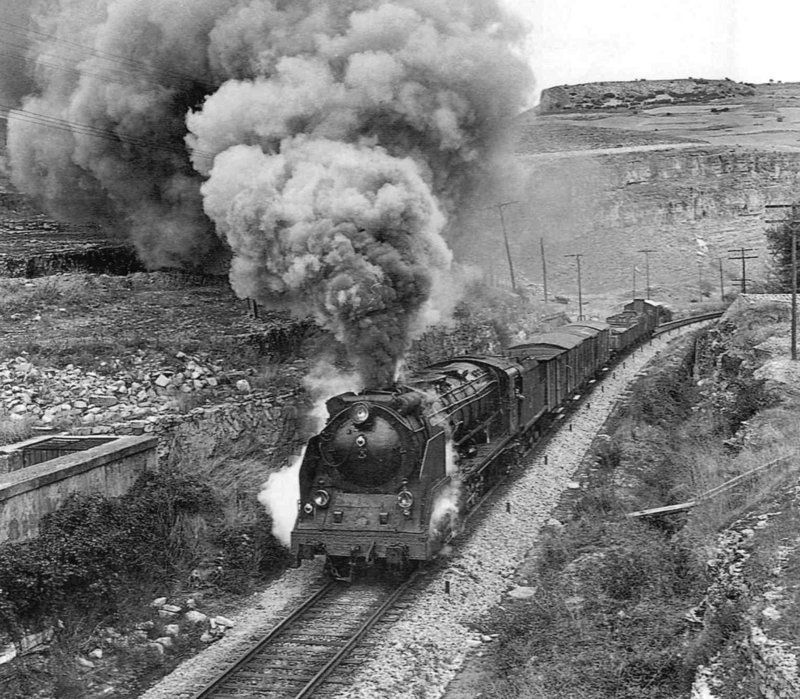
328 143
15 79
343 232
102 137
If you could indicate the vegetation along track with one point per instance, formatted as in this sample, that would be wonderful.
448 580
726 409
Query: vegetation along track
302 652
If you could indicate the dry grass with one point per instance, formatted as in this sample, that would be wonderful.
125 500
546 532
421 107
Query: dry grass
608 618
14 428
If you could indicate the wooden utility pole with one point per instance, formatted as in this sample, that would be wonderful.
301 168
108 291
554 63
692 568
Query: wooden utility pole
647 252
499 208
743 259
793 223
578 257
721 282
544 268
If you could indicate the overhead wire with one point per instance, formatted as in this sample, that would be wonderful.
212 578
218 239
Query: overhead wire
116 75
88 130
130 63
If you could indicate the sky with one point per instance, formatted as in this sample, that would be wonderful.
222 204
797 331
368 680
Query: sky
578 41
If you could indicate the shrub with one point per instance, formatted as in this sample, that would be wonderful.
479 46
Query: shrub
15 429
92 550
247 551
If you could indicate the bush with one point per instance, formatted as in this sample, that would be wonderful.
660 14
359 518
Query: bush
248 551
93 550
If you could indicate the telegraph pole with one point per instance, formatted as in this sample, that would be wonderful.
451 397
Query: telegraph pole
544 268
795 219
499 208
721 282
647 252
743 257
578 257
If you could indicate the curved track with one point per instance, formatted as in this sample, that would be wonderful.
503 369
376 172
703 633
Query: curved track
673 324
306 648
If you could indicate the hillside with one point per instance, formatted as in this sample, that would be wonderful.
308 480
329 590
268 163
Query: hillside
689 181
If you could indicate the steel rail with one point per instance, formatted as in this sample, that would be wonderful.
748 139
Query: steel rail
218 686
674 324
217 682
337 659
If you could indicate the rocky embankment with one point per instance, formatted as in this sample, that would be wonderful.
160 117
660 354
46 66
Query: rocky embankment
690 205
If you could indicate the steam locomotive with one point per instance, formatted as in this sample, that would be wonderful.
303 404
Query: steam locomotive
389 477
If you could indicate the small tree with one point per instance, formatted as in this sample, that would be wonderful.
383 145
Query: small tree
779 243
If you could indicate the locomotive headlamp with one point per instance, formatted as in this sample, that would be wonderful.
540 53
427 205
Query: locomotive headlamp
360 413
405 500
321 498
308 508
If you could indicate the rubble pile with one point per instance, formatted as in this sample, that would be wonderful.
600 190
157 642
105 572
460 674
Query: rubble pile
143 395
72 397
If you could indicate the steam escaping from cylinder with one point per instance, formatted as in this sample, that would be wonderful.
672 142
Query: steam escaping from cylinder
447 505
315 148
280 494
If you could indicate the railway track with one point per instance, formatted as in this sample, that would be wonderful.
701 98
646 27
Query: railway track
302 653
672 325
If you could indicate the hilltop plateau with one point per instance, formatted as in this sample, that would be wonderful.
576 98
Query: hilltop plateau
632 94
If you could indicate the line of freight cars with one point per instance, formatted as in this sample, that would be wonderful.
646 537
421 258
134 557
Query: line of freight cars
389 477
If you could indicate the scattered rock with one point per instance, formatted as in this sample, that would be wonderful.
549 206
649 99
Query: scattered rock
522 592
222 621
195 617
157 647
7 653
84 663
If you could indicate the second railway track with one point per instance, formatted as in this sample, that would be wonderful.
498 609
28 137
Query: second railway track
303 652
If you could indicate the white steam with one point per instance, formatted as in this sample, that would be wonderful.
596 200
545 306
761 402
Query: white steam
280 494
446 511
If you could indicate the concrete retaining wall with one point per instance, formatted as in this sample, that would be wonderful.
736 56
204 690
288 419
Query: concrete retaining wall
26 495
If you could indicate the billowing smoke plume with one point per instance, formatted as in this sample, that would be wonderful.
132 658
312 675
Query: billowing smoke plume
322 144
